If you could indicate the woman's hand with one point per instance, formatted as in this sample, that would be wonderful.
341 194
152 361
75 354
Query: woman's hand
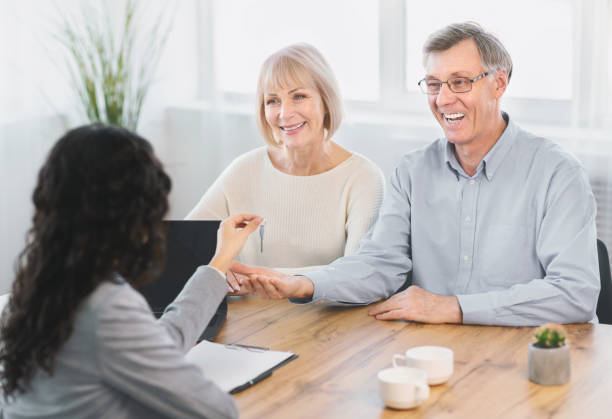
231 237
234 283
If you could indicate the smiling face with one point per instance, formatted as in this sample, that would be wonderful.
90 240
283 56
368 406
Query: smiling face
295 113
469 118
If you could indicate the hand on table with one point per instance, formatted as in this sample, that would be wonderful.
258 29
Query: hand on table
418 305
233 233
270 284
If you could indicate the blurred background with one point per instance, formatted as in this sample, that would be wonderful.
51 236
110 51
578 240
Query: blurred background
199 109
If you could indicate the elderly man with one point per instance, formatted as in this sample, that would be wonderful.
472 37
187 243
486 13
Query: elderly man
496 224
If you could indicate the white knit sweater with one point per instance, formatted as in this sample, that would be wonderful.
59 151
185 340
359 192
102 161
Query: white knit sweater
310 220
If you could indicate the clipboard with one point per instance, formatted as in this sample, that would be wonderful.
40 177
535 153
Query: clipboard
235 367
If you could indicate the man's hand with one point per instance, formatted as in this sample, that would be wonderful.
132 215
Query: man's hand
270 284
418 305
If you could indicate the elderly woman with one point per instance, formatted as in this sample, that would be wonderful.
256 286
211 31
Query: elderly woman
77 339
317 198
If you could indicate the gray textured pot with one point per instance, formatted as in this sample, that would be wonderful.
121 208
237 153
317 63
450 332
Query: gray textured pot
549 366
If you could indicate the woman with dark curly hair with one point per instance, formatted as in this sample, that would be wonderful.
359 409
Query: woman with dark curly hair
77 339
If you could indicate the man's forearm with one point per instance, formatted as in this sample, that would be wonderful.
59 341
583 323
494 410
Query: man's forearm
529 304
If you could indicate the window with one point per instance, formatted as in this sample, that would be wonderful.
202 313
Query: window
345 31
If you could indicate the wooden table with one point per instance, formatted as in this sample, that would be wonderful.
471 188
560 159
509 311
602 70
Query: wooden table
342 349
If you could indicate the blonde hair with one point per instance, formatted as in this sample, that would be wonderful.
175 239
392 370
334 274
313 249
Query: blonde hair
299 64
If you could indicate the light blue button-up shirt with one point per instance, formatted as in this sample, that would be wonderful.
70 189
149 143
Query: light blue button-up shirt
515 242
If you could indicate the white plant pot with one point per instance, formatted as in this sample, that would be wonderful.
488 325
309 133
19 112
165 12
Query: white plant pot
549 366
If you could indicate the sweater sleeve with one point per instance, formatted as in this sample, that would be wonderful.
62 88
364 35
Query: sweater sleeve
138 358
364 200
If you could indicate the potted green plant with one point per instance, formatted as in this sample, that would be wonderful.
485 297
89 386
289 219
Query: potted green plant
549 356
112 64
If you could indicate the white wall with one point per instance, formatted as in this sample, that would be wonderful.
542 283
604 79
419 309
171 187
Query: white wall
23 148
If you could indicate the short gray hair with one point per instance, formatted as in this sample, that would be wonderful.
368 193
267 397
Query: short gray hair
493 54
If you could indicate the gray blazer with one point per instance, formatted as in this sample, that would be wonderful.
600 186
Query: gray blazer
120 362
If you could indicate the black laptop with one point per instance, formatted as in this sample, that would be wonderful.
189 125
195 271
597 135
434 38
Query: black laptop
189 244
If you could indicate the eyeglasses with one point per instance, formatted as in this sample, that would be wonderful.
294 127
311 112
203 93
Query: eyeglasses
455 84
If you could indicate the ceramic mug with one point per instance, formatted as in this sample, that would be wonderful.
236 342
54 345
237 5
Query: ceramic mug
403 387
437 361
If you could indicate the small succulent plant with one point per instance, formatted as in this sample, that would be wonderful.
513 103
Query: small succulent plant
550 335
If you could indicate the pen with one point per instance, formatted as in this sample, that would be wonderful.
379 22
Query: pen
263 375
251 382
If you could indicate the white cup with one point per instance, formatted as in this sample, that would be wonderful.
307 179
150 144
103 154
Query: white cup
437 361
403 387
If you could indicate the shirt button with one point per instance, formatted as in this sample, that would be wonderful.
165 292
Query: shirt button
465 257
468 219
472 181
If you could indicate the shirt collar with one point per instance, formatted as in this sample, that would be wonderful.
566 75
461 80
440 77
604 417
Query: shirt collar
492 159
451 159
495 156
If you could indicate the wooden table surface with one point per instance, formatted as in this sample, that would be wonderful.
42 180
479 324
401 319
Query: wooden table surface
342 349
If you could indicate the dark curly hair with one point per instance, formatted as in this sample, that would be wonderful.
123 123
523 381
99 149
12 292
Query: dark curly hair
99 203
